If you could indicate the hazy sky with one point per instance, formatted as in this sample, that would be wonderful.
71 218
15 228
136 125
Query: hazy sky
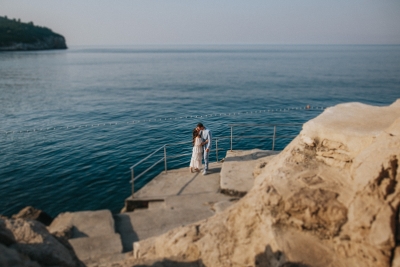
129 22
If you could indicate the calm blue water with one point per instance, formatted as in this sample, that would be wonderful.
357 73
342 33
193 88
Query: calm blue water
85 167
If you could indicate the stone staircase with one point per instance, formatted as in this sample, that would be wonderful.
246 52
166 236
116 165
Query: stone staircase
170 200
91 233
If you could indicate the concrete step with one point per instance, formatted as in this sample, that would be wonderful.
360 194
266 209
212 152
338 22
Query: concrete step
142 224
132 204
85 223
89 248
237 176
92 233
112 260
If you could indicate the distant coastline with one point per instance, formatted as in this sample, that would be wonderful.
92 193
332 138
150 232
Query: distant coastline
19 36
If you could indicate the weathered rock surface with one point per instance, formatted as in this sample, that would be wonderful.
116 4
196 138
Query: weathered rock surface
28 243
331 198
30 213
240 168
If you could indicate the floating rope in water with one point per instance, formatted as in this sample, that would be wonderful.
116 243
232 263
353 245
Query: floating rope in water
166 119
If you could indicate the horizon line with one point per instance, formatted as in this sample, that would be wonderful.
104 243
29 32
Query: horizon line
230 44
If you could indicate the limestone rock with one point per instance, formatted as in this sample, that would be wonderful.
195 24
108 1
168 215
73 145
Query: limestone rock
30 213
330 198
237 179
223 205
396 258
260 165
34 241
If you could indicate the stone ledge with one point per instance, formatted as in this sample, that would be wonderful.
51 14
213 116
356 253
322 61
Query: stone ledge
237 171
94 247
85 223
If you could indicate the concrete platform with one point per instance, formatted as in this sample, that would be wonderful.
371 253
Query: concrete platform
179 182
237 171
174 199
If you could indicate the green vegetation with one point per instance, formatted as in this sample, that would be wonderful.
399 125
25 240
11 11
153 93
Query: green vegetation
15 31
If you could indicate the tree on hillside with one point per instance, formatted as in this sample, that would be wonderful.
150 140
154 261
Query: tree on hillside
15 31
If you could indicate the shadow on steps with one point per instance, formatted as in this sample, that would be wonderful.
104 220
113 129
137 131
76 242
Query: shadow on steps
124 227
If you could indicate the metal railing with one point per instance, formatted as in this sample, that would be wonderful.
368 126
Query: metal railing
216 140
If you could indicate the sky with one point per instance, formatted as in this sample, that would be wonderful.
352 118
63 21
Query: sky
143 22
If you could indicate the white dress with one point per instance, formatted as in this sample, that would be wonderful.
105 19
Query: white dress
197 154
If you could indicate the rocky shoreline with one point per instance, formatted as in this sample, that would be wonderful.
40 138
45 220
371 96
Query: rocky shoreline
51 42
25 241
330 198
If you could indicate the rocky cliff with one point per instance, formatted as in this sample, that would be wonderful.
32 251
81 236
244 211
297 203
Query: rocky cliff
331 198
17 36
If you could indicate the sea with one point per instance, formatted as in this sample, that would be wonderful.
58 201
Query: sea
73 122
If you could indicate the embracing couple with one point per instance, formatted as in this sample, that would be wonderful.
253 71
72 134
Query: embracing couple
201 148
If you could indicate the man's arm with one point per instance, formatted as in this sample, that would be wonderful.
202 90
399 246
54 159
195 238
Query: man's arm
208 145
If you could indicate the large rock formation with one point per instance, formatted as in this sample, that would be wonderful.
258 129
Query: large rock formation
331 198
28 243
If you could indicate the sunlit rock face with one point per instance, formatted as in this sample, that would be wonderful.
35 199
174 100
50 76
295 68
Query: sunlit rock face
330 198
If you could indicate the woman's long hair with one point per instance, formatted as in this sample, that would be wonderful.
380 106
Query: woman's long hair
195 133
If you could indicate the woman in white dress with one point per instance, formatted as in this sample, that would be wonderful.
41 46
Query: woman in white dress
197 154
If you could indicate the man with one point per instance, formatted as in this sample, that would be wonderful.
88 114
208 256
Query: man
206 136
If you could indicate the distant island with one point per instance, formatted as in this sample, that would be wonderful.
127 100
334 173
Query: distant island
19 36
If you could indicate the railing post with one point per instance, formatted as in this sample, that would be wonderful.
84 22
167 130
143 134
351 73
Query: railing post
216 148
132 181
231 136
165 158
273 138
